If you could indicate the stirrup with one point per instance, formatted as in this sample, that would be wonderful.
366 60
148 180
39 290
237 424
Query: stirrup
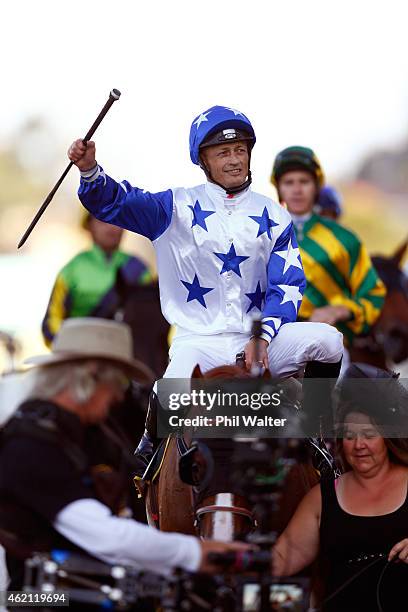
322 460
143 453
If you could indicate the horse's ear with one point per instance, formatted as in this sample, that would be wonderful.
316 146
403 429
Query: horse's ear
266 375
197 372
399 253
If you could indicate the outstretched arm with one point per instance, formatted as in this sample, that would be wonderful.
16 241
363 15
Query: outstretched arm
90 525
298 546
134 209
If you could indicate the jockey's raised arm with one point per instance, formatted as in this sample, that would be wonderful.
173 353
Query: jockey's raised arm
134 209
131 208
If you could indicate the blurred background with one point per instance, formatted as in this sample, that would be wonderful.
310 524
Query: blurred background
331 76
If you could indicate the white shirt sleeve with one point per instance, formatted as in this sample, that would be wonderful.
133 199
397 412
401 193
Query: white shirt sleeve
91 526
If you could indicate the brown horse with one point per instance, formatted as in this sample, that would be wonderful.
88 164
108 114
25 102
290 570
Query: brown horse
387 342
218 510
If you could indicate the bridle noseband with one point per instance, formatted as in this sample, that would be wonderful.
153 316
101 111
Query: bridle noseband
235 510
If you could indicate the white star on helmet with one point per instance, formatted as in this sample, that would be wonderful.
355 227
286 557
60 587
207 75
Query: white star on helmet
201 118
235 111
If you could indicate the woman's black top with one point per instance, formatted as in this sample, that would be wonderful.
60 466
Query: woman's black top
350 544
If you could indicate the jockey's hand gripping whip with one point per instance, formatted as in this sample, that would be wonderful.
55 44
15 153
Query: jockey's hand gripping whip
113 96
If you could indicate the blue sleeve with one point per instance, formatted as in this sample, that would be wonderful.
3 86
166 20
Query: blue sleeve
134 209
286 284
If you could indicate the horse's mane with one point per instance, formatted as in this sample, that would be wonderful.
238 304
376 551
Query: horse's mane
227 371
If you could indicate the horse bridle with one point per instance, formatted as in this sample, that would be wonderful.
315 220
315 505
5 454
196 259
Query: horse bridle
200 512
235 510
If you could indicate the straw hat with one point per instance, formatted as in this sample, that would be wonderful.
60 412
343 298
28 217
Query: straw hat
83 338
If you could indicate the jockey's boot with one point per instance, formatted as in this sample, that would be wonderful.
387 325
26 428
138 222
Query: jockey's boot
148 443
317 397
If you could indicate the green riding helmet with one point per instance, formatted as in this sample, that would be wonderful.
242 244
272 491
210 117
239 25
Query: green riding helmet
297 158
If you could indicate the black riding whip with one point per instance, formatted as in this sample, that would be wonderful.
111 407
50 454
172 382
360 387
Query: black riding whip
113 96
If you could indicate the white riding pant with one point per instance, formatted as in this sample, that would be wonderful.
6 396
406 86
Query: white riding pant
291 349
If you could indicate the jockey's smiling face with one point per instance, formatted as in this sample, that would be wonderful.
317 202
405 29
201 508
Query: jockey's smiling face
297 188
227 163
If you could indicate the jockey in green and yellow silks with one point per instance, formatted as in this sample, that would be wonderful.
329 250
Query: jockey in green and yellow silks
86 285
343 288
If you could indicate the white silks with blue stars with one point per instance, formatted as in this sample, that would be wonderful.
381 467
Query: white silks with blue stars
222 261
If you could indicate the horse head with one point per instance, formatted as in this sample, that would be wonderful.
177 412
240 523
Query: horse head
223 506
219 512
200 489
391 330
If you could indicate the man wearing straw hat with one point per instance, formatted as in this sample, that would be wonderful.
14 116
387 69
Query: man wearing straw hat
47 497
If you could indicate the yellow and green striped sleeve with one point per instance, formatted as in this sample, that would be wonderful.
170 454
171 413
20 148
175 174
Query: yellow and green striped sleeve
339 271
57 310
367 291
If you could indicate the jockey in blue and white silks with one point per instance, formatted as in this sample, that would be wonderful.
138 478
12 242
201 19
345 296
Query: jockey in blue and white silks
225 255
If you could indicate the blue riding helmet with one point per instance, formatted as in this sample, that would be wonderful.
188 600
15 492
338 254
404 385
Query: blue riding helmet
224 124
329 200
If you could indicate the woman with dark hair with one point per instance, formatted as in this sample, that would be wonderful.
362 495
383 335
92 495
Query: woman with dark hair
357 525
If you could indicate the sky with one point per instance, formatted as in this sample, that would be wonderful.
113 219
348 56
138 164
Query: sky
327 74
